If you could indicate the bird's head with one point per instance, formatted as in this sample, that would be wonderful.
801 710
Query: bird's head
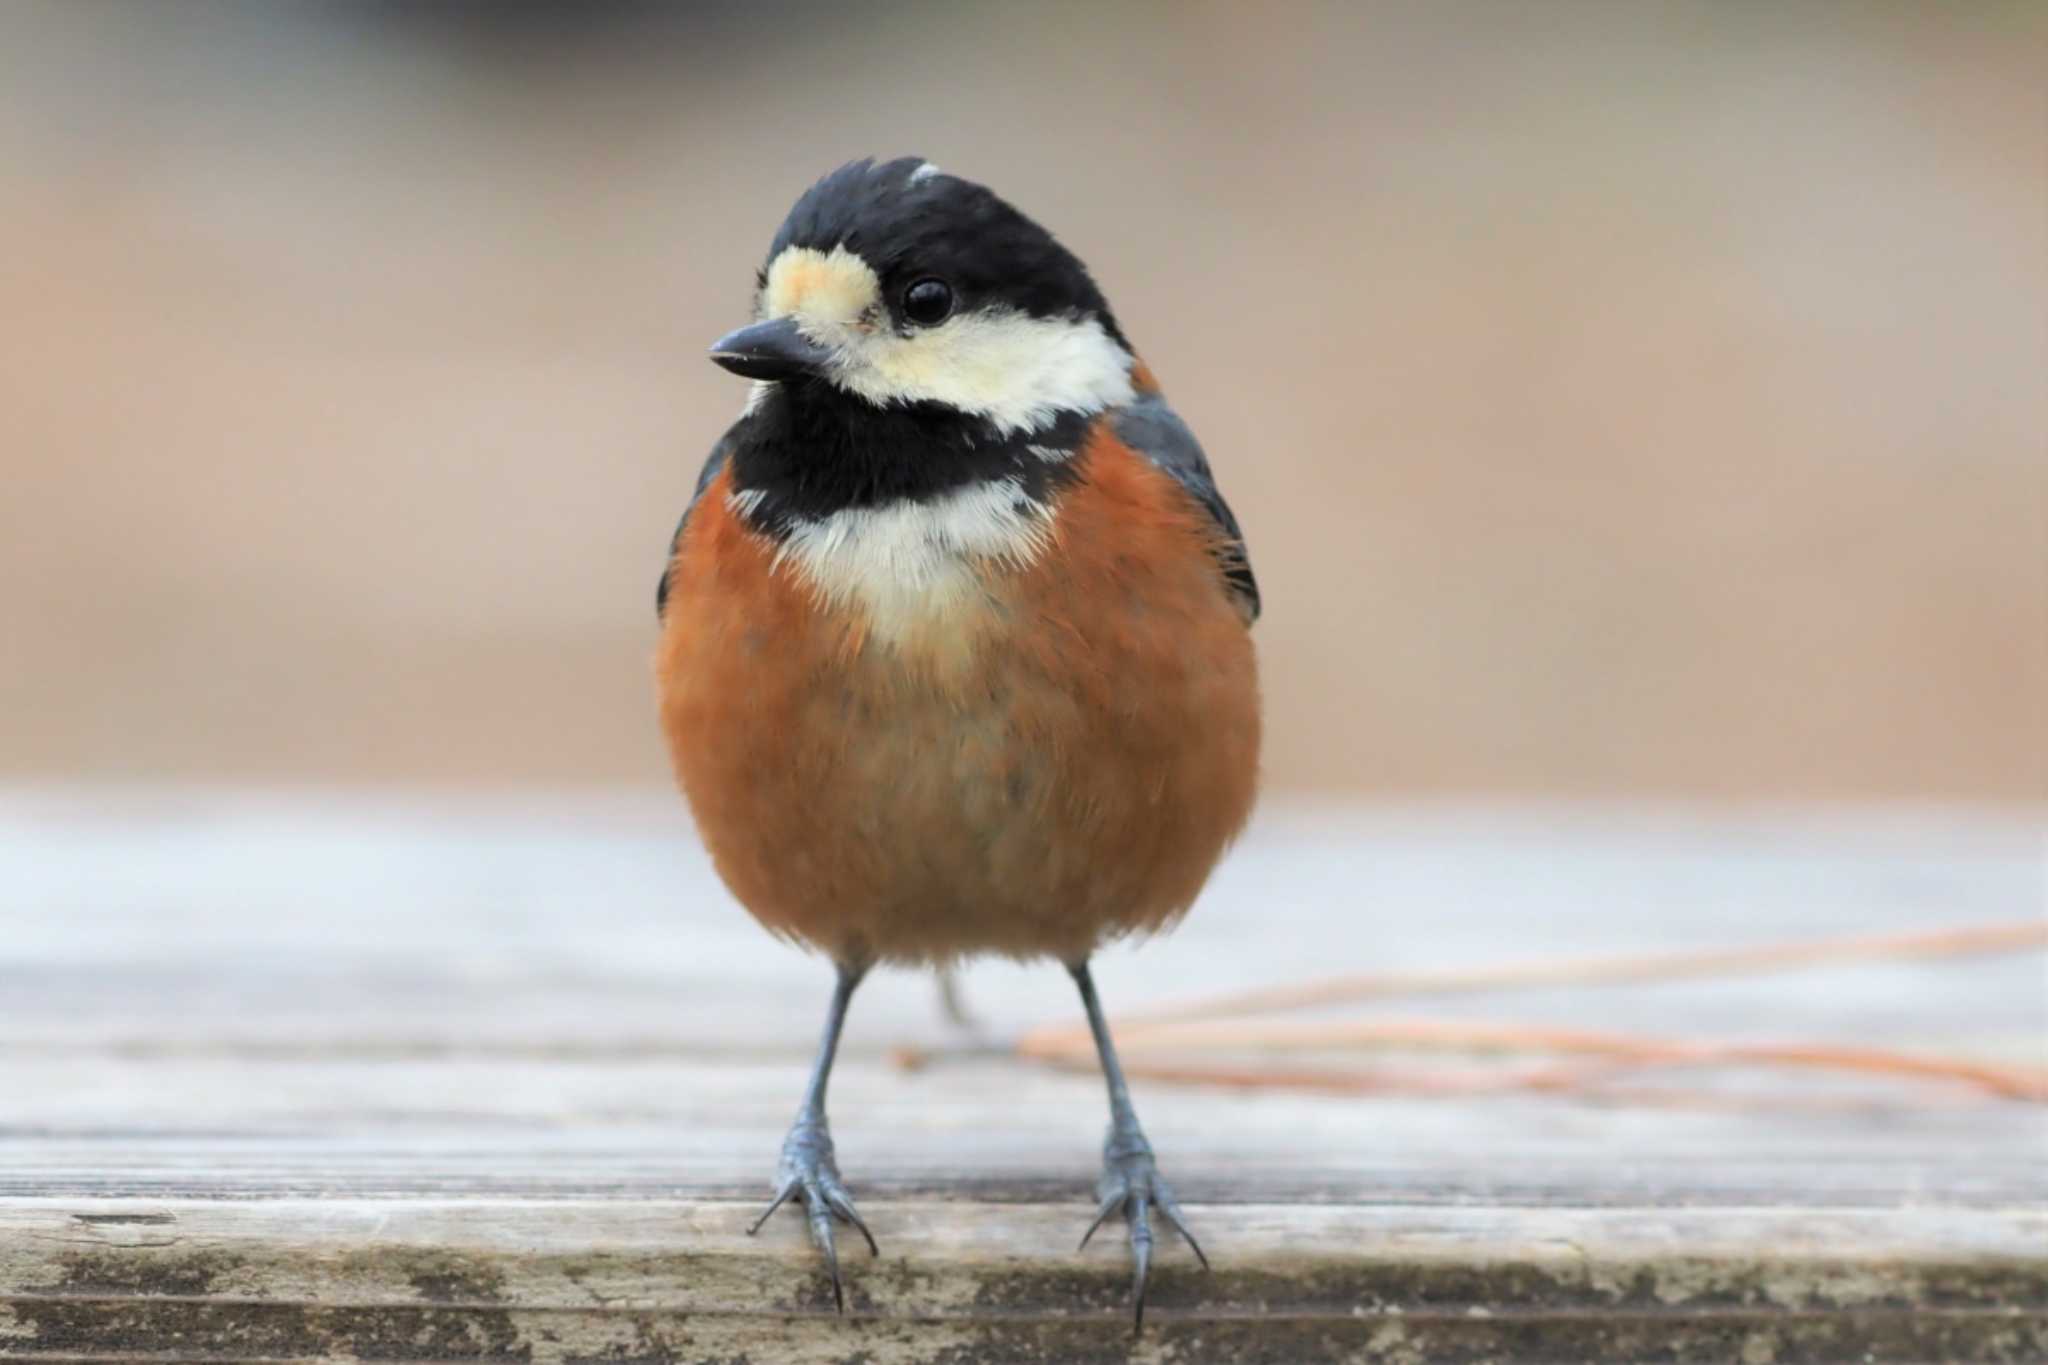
897 286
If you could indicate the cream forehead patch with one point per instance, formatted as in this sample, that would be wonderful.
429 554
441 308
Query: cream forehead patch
821 286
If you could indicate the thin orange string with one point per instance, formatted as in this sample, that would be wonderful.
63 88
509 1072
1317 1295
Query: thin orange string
1207 1024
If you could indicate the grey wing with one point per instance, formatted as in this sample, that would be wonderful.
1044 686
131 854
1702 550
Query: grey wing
714 462
1154 430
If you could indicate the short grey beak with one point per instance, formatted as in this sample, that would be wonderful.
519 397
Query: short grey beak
770 350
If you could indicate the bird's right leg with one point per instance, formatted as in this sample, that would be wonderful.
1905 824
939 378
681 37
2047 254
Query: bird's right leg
807 1168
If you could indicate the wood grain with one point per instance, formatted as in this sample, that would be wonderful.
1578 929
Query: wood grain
287 1079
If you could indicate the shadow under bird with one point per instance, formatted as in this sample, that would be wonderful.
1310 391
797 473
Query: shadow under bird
955 651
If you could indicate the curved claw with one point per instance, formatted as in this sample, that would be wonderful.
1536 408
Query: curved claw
780 1199
843 1206
1109 1206
1139 1211
1169 1209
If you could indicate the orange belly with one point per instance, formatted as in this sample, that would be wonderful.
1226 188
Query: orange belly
1061 761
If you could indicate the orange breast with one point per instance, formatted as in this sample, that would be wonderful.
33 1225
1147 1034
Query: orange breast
1066 764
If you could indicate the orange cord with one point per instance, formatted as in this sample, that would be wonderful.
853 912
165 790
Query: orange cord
1209 1024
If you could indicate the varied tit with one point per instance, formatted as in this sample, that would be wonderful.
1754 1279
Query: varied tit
955 653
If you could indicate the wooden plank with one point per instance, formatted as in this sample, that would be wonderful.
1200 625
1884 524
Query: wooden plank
654 1280
298 1079
101 1126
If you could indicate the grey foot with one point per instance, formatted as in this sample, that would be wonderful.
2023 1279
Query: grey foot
808 1170
1131 1182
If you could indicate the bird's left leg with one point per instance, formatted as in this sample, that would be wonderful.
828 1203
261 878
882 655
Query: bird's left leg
1130 1178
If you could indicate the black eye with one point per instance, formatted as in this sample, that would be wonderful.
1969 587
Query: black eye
927 301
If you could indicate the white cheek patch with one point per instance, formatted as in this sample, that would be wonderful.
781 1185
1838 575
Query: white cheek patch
908 566
1016 371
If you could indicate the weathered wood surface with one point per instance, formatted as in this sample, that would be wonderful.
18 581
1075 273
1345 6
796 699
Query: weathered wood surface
295 1079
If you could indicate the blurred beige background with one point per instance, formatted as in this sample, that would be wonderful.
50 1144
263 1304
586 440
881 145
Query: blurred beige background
1619 399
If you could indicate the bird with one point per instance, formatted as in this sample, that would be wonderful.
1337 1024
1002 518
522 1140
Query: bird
954 654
